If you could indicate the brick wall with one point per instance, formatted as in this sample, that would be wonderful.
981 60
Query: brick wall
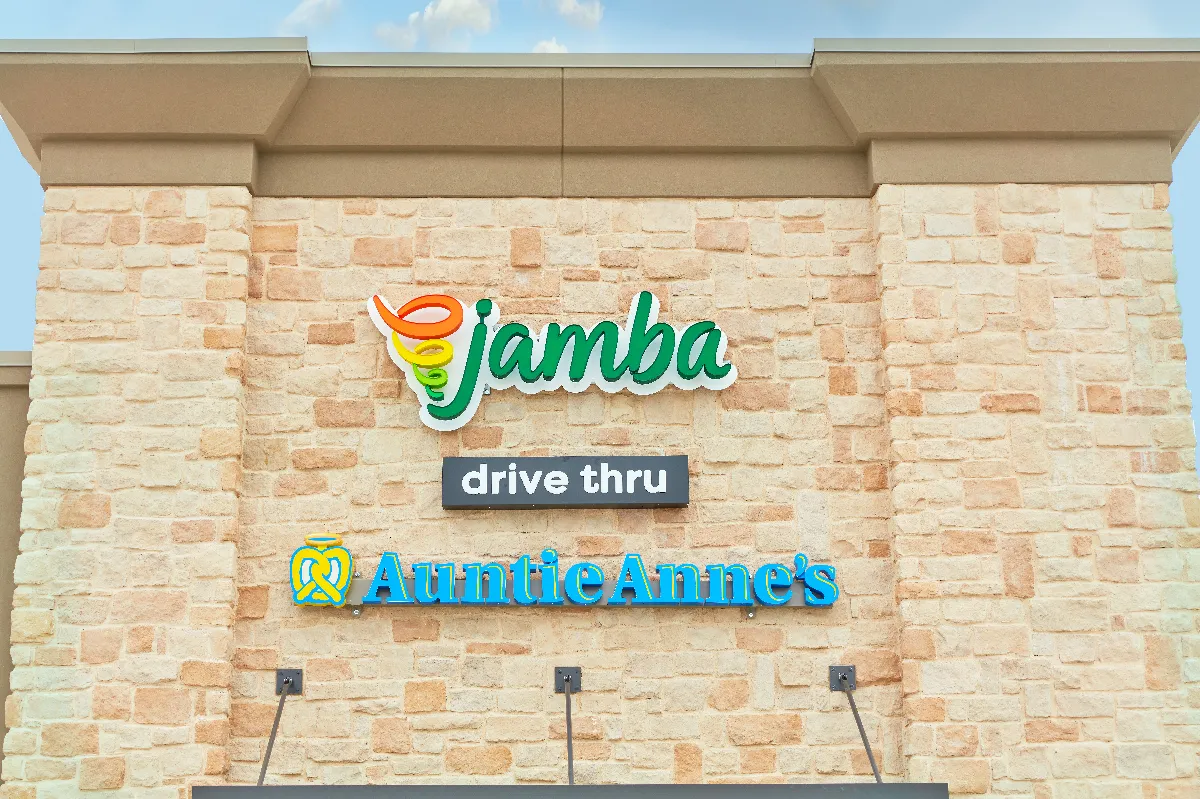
1043 491
969 400
123 615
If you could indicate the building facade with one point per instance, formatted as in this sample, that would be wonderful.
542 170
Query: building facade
946 279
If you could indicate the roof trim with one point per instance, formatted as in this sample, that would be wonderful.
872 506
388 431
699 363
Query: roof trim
266 44
1177 45
268 114
563 60
828 45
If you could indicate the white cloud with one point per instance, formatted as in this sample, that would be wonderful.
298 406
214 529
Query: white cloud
310 14
399 37
444 24
586 14
550 45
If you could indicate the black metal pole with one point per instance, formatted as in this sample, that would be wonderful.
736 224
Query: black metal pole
287 689
570 745
861 732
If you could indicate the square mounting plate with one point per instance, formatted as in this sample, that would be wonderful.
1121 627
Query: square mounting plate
835 678
560 675
297 685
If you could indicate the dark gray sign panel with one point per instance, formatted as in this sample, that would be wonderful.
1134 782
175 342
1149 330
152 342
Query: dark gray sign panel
621 481
855 790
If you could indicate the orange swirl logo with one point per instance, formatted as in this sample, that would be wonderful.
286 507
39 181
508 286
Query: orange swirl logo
434 353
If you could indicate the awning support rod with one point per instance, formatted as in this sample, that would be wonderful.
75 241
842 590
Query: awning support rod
842 678
569 680
287 681
570 746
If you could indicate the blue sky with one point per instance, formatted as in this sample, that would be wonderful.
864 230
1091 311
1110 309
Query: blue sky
698 26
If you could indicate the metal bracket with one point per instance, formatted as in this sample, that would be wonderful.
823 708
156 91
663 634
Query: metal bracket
295 687
835 678
560 675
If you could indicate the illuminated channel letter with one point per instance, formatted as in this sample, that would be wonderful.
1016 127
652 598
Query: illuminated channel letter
581 576
670 577
423 587
820 589
549 569
522 570
390 576
767 579
521 358
632 577
642 335
497 581
719 592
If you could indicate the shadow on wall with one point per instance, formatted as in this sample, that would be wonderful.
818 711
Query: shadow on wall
14 411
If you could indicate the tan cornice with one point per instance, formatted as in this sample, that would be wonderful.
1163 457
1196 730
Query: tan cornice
853 115
15 367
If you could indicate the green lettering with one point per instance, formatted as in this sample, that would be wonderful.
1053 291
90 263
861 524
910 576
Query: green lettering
640 340
582 344
466 389
707 361
521 358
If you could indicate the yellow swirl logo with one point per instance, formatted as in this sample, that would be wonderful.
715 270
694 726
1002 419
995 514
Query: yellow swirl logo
429 357
321 571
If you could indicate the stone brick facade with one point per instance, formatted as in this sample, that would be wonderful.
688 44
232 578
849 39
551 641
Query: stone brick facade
970 400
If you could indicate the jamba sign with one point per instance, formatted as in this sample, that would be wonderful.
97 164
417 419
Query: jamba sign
449 357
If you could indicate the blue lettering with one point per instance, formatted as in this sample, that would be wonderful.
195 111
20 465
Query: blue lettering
770 577
388 575
581 576
820 590
632 577
423 587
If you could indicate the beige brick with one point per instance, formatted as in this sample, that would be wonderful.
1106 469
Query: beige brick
208 674
482 760
274 238
251 719
101 773
85 510
162 705
284 283
1051 730
935 395
69 739
688 767
525 247
252 601
80 229
992 493
344 413
175 233
324 458
764 729
383 251
964 776
733 236
102 645
424 697
417 629
394 736
164 203
759 639
331 333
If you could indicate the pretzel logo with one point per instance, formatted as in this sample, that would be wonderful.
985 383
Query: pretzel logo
321 571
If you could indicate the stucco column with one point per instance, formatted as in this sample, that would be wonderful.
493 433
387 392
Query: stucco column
1042 483
125 592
